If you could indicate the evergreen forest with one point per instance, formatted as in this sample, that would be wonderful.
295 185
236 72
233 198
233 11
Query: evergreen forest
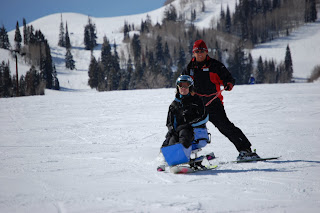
158 52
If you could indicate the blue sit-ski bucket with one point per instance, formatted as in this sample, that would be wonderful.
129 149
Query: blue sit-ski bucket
176 154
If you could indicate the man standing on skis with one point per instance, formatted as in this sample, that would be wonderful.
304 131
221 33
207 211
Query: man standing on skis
208 75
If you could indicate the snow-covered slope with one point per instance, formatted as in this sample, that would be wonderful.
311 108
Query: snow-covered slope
303 42
304 47
96 152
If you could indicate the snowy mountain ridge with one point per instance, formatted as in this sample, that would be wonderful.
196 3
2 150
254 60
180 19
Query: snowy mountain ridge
304 53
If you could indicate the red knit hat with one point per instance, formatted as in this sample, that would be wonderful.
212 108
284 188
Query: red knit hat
199 45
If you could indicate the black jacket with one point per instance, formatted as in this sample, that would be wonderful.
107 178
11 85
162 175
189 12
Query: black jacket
185 111
208 76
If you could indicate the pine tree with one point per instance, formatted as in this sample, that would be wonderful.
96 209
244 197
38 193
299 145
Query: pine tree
93 73
313 12
136 47
115 70
70 63
14 92
61 42
17 38
239 66
193 15
22 86
272 71
6 80
112 79
260 71
190 47
203 8
126 76
4 39
310 13
288 64
222 13
181 59
276 4
167 56
90 37
159 51
150 61
30 35
116 63
46 65
266 6
56 84
218 52
67 39
101 76
34 84
170 13
228 21
142 27
249 68
126 31
25 38
106 61
1 80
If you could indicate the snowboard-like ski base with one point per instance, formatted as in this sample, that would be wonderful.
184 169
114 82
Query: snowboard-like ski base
179 169
254 160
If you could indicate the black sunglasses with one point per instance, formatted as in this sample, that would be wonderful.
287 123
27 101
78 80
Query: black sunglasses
199 51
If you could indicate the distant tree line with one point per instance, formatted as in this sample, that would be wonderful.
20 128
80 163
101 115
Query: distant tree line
228 45
259 21
36 51
157 54
105 73
270 72
29 84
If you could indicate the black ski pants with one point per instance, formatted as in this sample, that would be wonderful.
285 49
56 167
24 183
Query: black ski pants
218 117
183 136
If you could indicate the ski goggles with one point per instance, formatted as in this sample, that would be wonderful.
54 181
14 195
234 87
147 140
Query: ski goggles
186 85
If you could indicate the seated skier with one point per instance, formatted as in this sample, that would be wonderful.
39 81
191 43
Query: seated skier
185 113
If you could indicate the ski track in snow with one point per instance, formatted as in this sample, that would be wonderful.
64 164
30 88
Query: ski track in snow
96 152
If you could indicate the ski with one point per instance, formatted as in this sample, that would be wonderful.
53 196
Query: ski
254 160
249 161
186 169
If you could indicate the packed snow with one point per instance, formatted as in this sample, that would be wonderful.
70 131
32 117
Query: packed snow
97 152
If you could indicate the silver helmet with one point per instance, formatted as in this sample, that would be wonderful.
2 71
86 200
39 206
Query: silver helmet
184 78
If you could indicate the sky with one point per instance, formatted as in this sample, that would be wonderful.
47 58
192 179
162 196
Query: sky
16 10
